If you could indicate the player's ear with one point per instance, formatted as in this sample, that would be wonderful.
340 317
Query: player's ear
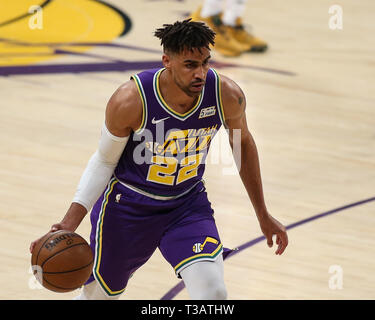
166 59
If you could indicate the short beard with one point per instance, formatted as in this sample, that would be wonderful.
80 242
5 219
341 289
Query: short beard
186 90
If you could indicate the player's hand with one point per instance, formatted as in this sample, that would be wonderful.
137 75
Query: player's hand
270 227
55 227
70 222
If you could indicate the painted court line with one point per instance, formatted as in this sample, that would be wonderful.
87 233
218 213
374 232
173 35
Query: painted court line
180 286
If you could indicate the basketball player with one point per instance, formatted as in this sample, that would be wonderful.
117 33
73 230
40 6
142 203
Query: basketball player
144 182
224 17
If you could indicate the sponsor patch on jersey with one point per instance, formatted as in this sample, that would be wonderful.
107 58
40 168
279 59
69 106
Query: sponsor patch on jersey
207 112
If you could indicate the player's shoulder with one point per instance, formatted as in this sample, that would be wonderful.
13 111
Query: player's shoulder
125 96
125 106
232 96
229 87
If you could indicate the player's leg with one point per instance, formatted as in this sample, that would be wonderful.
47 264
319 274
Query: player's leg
210 13
204 280
195 252
211 8
192 246
233 9
93 291
121 241
232 18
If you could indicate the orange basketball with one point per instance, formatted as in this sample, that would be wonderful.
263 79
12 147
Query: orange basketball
62 261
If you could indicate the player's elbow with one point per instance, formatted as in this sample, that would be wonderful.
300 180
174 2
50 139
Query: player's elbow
240 139
105 159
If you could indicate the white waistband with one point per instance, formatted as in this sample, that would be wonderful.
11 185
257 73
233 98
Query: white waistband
154 196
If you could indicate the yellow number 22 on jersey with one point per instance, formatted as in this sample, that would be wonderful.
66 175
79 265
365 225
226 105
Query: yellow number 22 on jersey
163 170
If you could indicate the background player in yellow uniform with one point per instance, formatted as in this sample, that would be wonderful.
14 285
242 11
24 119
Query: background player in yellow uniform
225 18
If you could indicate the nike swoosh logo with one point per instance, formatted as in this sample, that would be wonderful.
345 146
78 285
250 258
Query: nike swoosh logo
157 121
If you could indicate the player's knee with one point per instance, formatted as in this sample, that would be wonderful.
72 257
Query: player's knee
212 288
204 280
218 292
214 291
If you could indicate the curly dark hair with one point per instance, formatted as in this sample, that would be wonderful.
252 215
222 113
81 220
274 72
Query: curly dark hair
186 34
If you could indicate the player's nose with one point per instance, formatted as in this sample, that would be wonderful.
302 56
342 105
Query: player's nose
200 73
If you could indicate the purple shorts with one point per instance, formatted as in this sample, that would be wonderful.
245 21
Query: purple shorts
127 227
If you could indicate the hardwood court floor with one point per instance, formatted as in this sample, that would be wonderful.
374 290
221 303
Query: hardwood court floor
310 108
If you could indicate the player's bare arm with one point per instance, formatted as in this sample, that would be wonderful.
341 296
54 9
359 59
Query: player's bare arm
123 115
234 104
124 110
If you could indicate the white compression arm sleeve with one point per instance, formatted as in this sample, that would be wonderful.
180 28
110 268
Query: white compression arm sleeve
100 168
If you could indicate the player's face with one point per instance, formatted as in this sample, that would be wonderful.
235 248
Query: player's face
189 70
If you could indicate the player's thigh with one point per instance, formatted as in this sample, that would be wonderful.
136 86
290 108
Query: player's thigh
190 241
121 240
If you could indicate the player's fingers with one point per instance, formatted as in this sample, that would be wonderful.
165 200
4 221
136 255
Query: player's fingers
280 246
32 245
269 240
56 227
283 242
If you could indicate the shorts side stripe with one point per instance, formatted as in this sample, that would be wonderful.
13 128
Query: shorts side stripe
99 236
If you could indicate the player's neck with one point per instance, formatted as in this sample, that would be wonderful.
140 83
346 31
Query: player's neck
173 95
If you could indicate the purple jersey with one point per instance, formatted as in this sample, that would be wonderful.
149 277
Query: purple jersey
166 156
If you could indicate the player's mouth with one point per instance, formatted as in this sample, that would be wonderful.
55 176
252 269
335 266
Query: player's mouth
198 86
